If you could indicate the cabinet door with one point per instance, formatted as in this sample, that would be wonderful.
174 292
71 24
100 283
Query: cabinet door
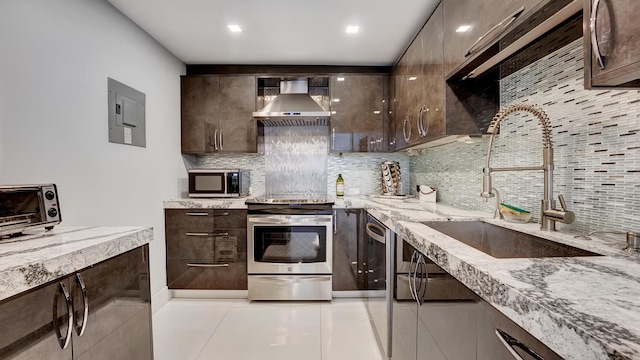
616 31
433 117
118 325
480 17
347 250
490 347
238 129
199 118
357 112
403 130
414 81
28 327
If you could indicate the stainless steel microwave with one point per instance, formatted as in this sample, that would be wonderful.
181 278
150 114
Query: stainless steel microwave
27 207
218 183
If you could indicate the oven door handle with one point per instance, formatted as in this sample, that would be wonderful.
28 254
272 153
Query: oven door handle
297 279
293 220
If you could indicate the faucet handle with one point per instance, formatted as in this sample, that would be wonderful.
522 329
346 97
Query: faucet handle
563 204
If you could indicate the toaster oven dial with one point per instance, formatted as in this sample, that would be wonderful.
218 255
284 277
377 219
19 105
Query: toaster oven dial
52 212
49 195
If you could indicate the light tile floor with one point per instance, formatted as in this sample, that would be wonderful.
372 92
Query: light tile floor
195 329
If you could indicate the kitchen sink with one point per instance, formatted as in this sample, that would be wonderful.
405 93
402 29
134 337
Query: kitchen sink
500 242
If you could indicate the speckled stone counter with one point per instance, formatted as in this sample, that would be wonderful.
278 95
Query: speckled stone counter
189 203
584 308
39 257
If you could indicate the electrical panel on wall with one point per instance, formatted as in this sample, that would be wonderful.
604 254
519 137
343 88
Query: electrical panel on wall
126 114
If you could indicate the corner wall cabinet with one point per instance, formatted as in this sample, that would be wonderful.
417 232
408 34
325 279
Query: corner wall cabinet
111 308
206 249
217 114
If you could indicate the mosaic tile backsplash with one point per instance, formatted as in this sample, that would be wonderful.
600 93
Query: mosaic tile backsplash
296 162
596 140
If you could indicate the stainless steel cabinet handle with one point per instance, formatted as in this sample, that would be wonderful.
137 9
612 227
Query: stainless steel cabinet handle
509 342
207 265
404 129
594 35
63 341
197 214
85 301
206 214
418 287
220 141
426 129
502 24
375 231
419 122
207 234
412 276
424 281
215 140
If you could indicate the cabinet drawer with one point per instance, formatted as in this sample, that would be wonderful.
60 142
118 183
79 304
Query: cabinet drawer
229 219
219 245
207 274
189 220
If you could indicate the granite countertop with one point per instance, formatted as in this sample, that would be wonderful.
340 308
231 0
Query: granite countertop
41 256
583 308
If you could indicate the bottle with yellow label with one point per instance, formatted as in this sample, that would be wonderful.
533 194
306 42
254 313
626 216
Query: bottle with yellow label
340 186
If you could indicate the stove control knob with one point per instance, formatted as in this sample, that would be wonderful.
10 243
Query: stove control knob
52 212
49 195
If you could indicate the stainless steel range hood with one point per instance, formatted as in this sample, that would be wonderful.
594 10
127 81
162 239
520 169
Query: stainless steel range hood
293 107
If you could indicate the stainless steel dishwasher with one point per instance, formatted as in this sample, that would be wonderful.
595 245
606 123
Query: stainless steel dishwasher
380 281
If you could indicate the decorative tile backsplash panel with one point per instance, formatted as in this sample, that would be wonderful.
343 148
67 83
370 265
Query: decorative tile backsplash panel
296 159
596 140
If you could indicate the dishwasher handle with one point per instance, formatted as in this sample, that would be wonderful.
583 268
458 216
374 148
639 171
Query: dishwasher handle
509 342
376 232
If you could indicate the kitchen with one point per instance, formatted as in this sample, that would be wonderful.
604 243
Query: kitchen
55 97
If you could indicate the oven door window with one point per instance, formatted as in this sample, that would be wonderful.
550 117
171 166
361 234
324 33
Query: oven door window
290 244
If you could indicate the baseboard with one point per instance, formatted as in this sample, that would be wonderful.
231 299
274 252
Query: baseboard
210 294
160 299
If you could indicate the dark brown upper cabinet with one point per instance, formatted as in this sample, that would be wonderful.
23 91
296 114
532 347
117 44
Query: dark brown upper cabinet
612 43
471 25
217 114
418 87
358 113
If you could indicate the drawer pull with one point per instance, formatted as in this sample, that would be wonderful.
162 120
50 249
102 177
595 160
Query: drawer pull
197 214
207 265
207 234
221 214
501 25
509 342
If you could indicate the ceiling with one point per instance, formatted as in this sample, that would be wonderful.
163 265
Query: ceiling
281 32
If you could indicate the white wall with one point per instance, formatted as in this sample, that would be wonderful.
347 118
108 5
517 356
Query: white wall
55 57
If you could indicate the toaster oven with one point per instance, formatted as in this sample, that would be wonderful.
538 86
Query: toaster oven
26 207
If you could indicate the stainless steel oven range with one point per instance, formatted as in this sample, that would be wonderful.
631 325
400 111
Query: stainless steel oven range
290 247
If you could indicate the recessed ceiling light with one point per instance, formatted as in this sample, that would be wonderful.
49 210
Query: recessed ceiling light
336 100
234 28
376 112
340 79
352 29
334 112
463 28
412 78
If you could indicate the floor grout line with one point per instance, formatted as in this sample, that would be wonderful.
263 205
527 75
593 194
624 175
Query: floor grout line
215 329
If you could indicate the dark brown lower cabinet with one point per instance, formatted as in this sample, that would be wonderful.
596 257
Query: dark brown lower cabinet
347 250
492 325
206 249
115 325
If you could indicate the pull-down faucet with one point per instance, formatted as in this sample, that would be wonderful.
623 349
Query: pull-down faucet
548 213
